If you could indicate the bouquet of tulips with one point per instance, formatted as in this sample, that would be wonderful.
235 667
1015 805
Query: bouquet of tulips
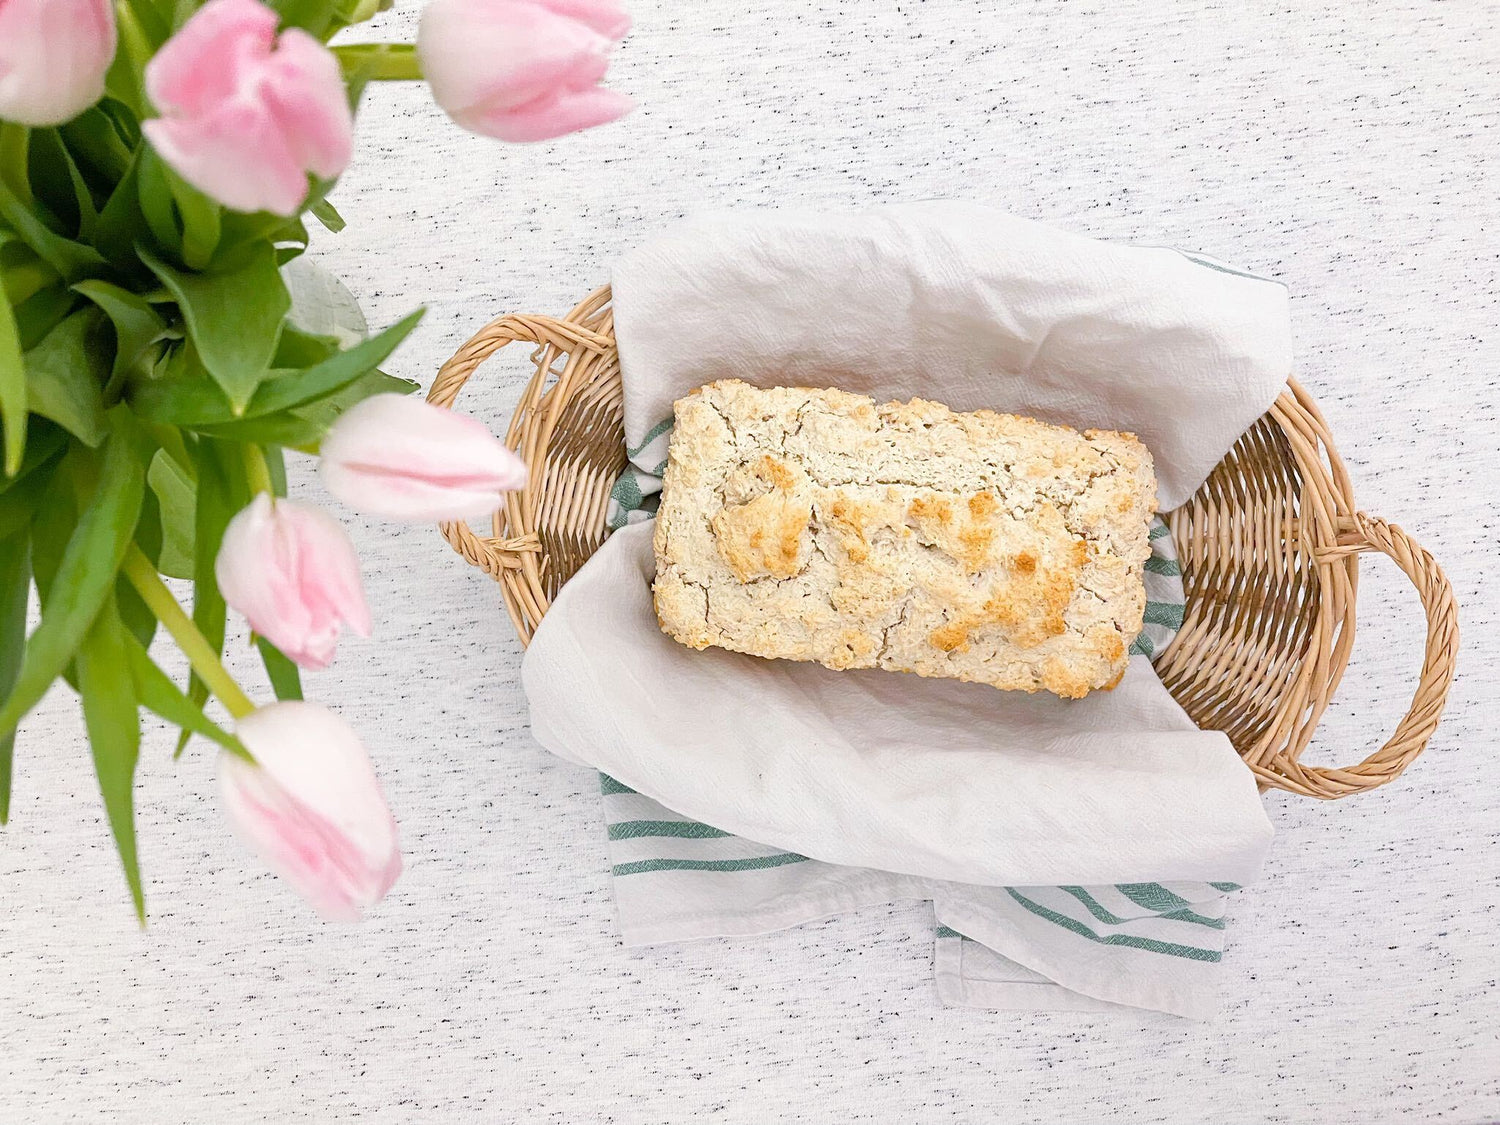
158 162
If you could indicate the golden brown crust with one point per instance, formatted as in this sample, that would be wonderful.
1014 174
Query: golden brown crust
815 525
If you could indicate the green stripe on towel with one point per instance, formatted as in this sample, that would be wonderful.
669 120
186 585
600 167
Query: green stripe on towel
1195 918
683 829
609 786
651 435
753 863
1093 907
1153 896
1163 613
1109 918
1190 952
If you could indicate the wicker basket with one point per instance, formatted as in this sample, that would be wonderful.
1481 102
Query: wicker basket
1269 549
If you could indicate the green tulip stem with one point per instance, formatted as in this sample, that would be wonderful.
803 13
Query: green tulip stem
379 62
257 471
141 574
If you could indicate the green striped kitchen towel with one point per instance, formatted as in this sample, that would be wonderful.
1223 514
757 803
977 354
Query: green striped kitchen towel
676 878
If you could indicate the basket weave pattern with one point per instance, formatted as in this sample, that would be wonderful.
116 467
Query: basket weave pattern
1269 549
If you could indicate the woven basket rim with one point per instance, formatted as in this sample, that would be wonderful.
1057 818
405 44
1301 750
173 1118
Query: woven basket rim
1272 652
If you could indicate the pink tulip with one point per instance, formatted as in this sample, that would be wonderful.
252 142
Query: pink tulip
311 807
406 459
292 571
53 55
247 115
522 70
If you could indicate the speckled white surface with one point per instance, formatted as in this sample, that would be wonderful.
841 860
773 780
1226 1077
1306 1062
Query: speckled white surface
1349 149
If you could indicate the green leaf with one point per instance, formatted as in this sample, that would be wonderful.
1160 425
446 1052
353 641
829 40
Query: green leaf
357 11
97 146
126 124
121 224
177 496
15 148
334 374
326 214
12 391
157 693
286 681
156 202
125 79
22 273
304 427
311 15
137 326
136 615
54 516
221 493
86 573
326 410
155 18
300 349
15 582
276 467
64 377
201 221
72 259
40 313
43 442
291 429
234 318
19 503
241 229
192 403
56 179
113 720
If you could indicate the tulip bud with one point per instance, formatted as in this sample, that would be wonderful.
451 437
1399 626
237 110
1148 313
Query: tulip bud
292 571
53 56
406 459
311 807
522 70
247 114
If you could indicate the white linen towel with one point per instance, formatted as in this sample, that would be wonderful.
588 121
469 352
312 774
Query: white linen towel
1020 816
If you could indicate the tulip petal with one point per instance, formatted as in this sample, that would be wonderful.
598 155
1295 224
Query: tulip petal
406 459
236 156
293 573
305 90
298 846
552 117
409 500
606 17
328 567
210 57
53 58
522 70
501 52
311 807
247 115
317 757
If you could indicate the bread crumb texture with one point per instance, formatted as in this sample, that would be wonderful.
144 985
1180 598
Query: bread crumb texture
815 525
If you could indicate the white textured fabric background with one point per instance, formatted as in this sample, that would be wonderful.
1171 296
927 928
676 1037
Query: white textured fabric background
1348 149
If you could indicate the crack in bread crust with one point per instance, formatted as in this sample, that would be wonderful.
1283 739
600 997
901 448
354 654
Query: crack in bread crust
817 525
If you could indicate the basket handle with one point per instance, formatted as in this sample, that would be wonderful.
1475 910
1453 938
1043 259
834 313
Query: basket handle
1367 533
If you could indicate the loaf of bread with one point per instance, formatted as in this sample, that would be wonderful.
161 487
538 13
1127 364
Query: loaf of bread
815 525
